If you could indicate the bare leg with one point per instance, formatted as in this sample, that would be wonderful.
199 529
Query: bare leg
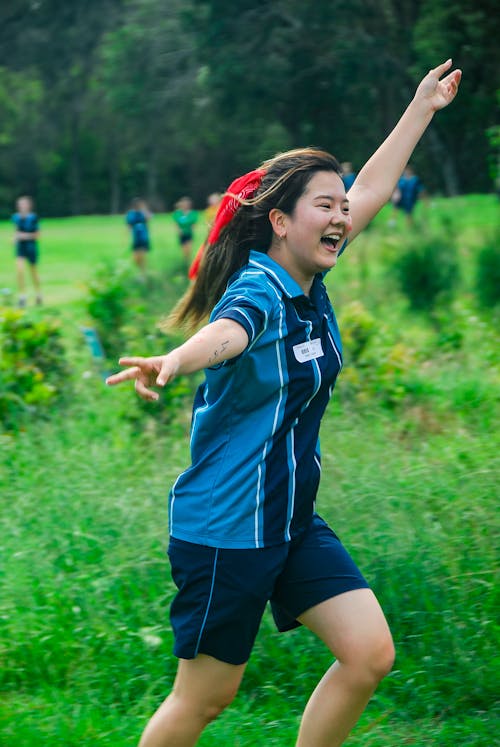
354 628
140 259
202 689
186 250
35 277
20 262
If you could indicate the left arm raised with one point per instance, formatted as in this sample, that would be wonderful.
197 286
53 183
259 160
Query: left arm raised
376 180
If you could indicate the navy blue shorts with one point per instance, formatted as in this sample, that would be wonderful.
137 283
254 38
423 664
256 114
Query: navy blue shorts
185 238
222 593
141 246
27 250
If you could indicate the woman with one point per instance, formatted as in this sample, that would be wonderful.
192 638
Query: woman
242 521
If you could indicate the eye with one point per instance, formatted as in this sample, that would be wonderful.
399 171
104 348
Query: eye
325 206
345 209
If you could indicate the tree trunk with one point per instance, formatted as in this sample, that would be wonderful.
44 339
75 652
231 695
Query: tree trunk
75 167
114 182
152 176
445 163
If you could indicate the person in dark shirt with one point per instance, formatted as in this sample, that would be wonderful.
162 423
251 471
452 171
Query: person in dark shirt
137 221
26 245
408 190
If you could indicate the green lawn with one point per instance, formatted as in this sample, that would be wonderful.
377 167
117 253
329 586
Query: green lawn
410 484
72 248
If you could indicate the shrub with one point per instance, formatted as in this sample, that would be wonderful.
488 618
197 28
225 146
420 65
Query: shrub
34 371
358 326
488 273
428 269
125 310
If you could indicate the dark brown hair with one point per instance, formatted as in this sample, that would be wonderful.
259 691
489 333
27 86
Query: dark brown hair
286 179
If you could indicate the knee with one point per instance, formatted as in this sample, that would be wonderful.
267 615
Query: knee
372 661
214 706
382 658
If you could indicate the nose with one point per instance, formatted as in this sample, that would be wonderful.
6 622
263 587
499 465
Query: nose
339 217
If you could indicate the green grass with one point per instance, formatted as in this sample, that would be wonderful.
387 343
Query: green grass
72 248
85 642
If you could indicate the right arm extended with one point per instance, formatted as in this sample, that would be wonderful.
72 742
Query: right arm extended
216 342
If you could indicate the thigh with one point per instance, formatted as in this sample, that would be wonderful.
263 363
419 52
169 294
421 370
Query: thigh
352 624
206 679
318 568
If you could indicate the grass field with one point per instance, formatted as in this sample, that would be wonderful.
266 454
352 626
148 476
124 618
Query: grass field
411 487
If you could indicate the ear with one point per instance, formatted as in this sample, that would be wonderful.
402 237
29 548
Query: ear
278 222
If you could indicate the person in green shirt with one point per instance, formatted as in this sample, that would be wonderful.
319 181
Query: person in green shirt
185 218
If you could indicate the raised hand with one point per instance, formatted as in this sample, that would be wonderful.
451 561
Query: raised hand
436 93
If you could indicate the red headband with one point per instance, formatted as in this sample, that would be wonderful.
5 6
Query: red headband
241 189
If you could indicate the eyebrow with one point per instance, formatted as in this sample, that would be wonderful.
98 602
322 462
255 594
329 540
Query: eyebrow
329 197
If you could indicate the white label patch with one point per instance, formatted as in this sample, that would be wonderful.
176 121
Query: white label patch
308 350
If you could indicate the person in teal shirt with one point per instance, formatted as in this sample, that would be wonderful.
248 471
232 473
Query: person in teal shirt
185 218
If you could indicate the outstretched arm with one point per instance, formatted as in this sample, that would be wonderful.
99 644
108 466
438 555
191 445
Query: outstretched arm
376 180
213 344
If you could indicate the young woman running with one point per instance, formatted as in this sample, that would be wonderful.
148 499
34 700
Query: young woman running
243 527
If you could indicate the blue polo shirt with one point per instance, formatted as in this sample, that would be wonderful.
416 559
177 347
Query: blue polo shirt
254 440
139 225
26 223
410 188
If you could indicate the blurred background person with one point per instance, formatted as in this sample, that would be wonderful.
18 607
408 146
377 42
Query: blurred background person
137 220
213 202
185 218
25 239
348 174
408 190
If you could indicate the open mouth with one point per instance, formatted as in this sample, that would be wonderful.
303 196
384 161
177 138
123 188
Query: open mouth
331 241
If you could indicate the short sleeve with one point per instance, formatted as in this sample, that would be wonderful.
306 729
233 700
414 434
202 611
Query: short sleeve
251 301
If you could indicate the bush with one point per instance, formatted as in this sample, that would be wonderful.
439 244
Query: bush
125 309
358 327
34 371
488 273
428 269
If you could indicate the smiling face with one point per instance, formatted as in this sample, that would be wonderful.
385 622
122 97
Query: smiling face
309 239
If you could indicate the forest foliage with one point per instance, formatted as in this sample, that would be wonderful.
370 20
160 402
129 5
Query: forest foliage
104 99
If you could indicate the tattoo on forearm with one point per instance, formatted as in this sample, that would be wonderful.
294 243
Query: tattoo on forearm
218 352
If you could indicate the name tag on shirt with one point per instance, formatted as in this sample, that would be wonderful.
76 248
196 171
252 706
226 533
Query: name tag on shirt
308 350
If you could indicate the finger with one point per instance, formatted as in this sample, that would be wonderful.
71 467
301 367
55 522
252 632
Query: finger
133 361
441 69
453 78
164 375
127 375
144 392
